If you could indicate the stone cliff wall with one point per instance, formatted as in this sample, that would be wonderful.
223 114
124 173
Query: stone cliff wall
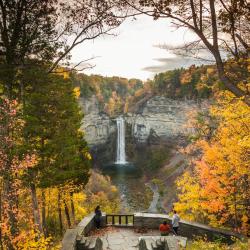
96 125
163 117
160 116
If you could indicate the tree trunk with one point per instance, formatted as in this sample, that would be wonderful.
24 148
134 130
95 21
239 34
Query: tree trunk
72 208
9 199
235 206
36 213
44 214
230 86
214 49
66 210
1 243
59 212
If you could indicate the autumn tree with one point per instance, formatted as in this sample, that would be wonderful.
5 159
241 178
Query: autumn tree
100 191
52 130
13 164
47 31
37 36
217 25
216 190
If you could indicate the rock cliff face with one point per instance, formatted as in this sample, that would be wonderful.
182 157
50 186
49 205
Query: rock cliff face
97 125
160 117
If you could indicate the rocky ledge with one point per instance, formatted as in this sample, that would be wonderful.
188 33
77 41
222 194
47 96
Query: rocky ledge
160 116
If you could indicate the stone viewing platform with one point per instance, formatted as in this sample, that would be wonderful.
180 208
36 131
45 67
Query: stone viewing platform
127 238
136 231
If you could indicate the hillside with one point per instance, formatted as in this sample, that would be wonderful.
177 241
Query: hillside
118 95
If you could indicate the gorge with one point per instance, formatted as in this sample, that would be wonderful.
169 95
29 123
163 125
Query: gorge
123 113
152 134
164 117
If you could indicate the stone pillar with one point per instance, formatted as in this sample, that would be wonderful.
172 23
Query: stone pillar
142 244
98 244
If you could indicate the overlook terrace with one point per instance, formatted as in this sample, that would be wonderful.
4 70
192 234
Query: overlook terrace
137 231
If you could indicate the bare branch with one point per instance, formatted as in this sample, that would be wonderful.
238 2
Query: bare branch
245 45
194 15
201 13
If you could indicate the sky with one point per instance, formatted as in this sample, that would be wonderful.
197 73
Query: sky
133 51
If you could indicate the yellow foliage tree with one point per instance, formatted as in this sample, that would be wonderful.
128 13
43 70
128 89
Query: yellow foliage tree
101 192
217 189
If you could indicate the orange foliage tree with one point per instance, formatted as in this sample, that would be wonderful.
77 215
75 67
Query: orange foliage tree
217 189
13 164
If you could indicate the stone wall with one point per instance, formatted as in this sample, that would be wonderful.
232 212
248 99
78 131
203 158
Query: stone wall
82 229
186 229
149 221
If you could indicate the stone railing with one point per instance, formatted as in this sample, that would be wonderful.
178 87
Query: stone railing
186 228
148 221
82 229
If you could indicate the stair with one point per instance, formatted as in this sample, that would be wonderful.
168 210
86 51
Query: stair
161 242
89 243
151 243
144 243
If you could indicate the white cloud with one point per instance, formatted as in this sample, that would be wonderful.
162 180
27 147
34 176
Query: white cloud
132 50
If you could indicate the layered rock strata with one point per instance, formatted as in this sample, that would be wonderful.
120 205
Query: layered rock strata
160 116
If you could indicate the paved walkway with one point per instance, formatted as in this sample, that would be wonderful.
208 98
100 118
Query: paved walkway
122 238
114 238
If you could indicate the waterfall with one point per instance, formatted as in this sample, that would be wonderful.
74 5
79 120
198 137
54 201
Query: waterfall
120 150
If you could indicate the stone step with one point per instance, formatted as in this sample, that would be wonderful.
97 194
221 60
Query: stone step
172 243
91 244
145 243
86 243
162 242
153 245
149 243
159 243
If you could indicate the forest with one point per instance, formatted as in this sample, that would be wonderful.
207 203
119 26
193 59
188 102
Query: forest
46 179
118 95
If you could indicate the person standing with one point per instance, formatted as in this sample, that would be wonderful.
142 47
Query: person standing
98 216
175 222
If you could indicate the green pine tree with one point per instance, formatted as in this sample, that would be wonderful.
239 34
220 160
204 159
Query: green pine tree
52 131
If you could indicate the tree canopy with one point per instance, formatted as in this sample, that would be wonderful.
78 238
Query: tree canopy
48 31
218 27
215 189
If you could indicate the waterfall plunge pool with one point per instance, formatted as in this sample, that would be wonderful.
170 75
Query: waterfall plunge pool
125 170
130 181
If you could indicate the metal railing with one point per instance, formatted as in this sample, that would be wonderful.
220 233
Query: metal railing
120 219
